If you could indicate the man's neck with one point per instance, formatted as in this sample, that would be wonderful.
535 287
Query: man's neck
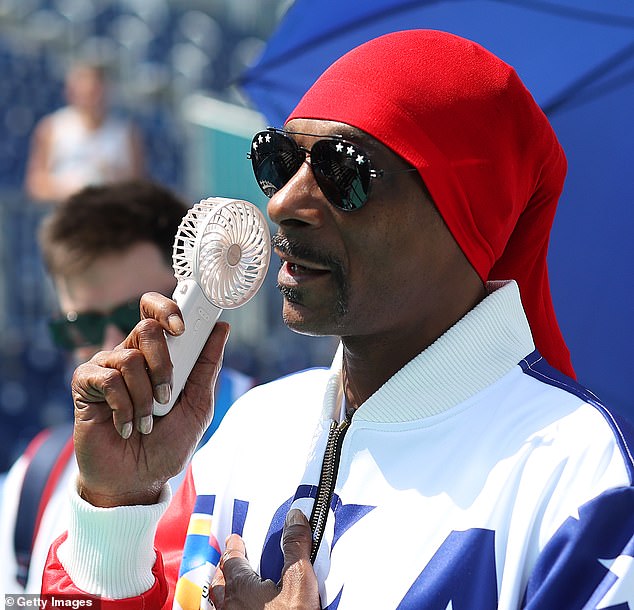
92 118
370 360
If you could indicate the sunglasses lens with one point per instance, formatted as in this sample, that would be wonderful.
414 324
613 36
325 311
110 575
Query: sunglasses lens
126 316
87 329
341 169
60 333
342 172
275 158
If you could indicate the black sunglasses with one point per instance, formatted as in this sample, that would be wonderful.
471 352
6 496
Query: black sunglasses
342 170
87 329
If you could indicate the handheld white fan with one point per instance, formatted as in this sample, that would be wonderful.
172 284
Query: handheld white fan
221 254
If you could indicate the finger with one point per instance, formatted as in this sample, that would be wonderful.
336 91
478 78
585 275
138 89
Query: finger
218 590
149 339
95 386
164 310
234 549
132 365
243 587
298 576
297 539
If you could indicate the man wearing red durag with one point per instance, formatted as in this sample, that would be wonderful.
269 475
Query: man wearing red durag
447 459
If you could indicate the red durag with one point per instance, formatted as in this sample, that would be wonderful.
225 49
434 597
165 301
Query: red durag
481 144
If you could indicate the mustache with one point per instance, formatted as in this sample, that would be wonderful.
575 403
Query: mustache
296 249
293 248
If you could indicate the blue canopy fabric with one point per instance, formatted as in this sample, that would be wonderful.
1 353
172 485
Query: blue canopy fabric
577 58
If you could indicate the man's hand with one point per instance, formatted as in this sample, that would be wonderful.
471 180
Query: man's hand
125 455
237 587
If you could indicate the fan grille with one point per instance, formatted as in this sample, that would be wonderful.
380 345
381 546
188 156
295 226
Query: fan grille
233 254
225 245
185 240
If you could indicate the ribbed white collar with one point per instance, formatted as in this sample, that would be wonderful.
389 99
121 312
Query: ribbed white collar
477 351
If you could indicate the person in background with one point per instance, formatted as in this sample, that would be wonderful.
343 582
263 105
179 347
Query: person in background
448 459
103 247
82 143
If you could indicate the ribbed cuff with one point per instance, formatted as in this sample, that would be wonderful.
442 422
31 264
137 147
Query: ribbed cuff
110 551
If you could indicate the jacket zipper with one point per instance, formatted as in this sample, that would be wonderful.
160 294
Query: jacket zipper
327 480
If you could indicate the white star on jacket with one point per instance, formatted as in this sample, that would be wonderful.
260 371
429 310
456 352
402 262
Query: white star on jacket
622 567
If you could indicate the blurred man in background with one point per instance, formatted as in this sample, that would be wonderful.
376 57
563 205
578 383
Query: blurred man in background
103 247
82 143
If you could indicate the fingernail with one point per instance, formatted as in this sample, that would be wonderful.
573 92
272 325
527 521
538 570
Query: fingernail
163 393
126 430
295 517
176 324
145 424
234 542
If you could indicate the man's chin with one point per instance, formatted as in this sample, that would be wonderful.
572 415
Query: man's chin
298 319
303 316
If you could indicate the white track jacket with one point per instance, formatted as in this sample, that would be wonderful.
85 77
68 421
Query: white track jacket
476 478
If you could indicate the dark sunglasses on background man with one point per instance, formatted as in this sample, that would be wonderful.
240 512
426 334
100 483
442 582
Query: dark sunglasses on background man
86 329
342 170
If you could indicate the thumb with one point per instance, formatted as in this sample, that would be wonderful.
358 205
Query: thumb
210 359
297 539
203 375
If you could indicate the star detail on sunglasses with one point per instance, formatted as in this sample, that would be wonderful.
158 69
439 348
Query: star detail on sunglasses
260 139
350 150
360 159
339 147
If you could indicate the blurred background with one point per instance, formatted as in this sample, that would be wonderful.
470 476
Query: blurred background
199 77
172 66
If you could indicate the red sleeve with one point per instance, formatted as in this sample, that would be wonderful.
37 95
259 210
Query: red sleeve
169 542
172 531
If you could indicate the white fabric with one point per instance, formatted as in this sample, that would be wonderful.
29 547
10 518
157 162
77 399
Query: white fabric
104 542
8 514
82 157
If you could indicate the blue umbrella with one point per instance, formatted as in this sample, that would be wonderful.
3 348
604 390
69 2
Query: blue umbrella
566 51
577 58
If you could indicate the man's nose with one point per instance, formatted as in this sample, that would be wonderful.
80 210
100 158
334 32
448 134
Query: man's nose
300 200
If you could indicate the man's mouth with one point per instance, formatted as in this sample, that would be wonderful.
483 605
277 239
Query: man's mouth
301 265
300 270
297 259
304 266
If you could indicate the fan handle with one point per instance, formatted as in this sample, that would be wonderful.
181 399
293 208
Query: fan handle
184 350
